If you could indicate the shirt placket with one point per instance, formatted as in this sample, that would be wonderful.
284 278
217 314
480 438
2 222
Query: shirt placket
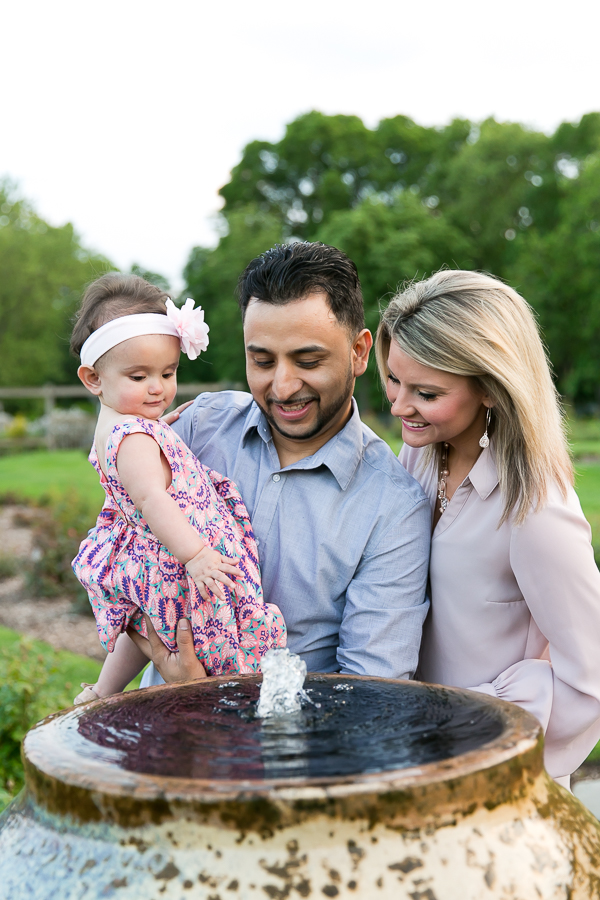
266 507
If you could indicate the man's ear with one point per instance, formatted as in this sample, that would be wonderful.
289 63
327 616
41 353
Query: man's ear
361 347
90 379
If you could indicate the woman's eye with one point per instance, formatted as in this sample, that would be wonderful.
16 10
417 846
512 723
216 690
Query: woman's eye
392 378
425 396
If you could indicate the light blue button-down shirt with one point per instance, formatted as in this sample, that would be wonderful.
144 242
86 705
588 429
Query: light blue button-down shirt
343 535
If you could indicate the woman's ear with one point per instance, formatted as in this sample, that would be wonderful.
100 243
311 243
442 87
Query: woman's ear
90 379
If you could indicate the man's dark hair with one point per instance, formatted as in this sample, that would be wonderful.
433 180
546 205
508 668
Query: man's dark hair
291 272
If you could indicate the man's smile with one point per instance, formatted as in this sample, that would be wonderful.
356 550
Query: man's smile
292 411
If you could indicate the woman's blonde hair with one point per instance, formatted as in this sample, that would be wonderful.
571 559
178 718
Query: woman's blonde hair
471 324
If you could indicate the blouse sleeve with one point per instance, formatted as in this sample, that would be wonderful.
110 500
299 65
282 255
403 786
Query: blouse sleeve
553 562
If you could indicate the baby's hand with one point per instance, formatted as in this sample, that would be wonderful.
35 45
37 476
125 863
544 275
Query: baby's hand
209 569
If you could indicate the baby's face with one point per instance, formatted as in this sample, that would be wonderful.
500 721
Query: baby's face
139 376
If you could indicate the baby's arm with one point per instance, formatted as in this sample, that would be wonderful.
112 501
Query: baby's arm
141 471
120 667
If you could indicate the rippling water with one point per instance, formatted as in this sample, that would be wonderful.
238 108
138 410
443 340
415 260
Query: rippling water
211 731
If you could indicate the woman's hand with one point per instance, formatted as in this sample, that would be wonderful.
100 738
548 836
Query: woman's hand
171 417
175 668
210 569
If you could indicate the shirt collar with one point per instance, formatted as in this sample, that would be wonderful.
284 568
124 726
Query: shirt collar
341 454
484 474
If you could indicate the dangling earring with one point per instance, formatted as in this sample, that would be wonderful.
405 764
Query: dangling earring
484 440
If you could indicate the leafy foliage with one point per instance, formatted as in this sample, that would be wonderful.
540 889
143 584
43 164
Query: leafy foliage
44 270
403 201
62 522
27 694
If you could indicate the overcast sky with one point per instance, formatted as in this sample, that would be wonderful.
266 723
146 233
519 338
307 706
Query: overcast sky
125 117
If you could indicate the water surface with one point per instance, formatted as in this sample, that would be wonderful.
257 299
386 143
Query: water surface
211 731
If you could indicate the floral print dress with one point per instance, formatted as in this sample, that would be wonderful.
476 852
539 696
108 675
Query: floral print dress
127 571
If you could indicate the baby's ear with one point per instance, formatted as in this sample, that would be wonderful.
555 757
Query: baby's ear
90 379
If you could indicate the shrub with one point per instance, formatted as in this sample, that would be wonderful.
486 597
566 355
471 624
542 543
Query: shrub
63 522
8 566
28 693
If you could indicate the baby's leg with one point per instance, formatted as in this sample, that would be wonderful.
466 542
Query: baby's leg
120 667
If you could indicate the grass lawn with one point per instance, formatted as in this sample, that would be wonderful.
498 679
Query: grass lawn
38 473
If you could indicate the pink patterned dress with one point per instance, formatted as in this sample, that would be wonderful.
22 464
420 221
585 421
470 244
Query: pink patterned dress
127 571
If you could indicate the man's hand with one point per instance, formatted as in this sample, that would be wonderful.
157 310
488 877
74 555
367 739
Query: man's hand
174 667
171 417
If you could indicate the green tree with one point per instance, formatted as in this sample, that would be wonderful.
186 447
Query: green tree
329 163
392 243
153 277
211 277
559 273
44 270
404 200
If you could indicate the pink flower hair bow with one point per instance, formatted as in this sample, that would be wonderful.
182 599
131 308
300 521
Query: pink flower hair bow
191 327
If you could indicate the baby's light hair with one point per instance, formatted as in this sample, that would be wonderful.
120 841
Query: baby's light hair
111 296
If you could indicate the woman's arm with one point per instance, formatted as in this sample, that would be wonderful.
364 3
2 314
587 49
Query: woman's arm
141 471
553 562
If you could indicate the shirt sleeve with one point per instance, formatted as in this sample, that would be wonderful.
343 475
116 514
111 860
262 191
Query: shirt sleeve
553 562
186 425
380 632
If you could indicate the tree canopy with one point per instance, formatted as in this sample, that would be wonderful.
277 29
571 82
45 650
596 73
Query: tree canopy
44 270
404 200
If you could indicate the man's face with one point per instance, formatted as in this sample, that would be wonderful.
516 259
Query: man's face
301 364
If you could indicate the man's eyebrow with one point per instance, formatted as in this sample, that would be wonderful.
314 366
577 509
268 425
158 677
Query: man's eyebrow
312 348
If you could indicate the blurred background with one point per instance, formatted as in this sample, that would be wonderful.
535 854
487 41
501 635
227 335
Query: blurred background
178 141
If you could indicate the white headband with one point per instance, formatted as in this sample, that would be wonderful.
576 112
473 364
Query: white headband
186 323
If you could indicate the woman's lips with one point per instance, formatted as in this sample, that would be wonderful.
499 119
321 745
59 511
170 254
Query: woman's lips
293 412
414 426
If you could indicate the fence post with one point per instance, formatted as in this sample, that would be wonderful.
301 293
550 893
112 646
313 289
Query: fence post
49 401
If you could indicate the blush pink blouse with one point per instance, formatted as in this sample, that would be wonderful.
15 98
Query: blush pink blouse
515 610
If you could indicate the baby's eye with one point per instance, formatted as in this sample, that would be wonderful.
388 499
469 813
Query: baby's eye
168 374
137 377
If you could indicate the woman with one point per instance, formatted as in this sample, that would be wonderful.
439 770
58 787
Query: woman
515 591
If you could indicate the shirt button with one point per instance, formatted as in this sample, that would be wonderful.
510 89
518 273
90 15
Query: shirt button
276 477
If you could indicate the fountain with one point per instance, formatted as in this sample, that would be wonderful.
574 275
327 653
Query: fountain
369 788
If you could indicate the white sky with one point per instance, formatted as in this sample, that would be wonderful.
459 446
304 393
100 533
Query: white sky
126 116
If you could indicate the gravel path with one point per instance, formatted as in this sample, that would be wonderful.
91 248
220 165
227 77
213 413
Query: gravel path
48 619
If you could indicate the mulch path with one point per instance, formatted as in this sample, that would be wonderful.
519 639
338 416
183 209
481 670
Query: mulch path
49 619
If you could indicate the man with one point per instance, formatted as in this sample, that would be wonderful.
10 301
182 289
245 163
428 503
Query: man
343 531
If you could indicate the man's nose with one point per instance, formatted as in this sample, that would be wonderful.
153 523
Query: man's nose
286 382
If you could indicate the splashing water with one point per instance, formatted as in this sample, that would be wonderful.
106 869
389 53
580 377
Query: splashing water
282 688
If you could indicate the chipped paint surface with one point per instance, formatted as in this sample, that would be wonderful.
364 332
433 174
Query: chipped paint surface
492 827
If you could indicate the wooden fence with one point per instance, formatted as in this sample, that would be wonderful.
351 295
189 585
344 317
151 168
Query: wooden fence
50 393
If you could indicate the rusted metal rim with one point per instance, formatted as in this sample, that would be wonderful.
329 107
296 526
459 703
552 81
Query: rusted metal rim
48 757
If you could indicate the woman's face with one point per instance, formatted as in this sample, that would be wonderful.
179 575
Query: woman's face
433 405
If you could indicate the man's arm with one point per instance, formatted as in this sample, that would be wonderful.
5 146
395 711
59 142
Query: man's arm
386 606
